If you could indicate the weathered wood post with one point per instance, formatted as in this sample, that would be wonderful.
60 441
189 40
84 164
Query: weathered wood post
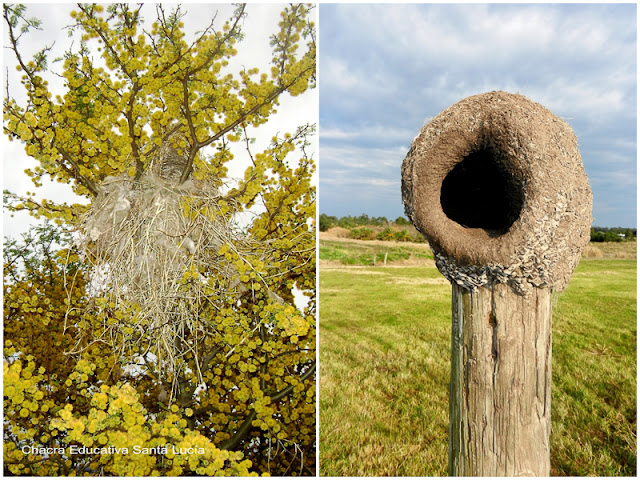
497 186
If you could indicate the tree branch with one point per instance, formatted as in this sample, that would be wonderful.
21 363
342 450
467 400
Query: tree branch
189 167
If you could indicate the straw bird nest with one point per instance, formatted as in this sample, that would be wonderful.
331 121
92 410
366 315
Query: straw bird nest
150 238
497 186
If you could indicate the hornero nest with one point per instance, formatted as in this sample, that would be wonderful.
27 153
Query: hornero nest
497 186
149 239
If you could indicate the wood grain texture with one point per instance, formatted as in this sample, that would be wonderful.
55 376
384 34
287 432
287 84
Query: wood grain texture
500 391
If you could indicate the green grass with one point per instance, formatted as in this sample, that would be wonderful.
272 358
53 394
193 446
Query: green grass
361 253
385 360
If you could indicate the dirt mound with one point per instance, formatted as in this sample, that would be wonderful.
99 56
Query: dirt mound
337 232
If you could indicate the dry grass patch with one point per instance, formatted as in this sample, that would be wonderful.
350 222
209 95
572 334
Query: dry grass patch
620 250
338 236
591 252
336 232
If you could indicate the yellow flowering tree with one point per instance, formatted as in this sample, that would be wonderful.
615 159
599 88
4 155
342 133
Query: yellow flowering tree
217 374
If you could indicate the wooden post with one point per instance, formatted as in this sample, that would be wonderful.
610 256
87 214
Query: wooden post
385 259
497 186
500 391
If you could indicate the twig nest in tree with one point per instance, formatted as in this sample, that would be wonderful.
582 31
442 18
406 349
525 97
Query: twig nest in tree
157 244
497 186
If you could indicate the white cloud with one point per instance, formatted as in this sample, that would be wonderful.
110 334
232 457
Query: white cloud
404 63
583 99
610 157
474 48
374 160
369 133
617 179
337 73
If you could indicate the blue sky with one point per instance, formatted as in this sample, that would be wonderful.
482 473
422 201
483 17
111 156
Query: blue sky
386 69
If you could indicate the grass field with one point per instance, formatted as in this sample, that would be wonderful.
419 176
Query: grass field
359 252
385 359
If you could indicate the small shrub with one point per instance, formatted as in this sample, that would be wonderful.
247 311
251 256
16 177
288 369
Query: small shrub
362 233
386 234
402 236
419 238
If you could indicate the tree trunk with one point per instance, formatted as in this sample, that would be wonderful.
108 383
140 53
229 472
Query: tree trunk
500 392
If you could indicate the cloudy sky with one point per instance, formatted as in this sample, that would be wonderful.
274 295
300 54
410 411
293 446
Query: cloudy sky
253 51
385 70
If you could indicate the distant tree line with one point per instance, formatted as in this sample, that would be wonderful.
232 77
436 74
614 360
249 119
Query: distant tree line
328 221
598 234
616 234
388 234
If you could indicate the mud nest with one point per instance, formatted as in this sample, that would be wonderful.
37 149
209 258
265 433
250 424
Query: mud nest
497 186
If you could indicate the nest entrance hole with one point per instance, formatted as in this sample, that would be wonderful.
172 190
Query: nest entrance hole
483 192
